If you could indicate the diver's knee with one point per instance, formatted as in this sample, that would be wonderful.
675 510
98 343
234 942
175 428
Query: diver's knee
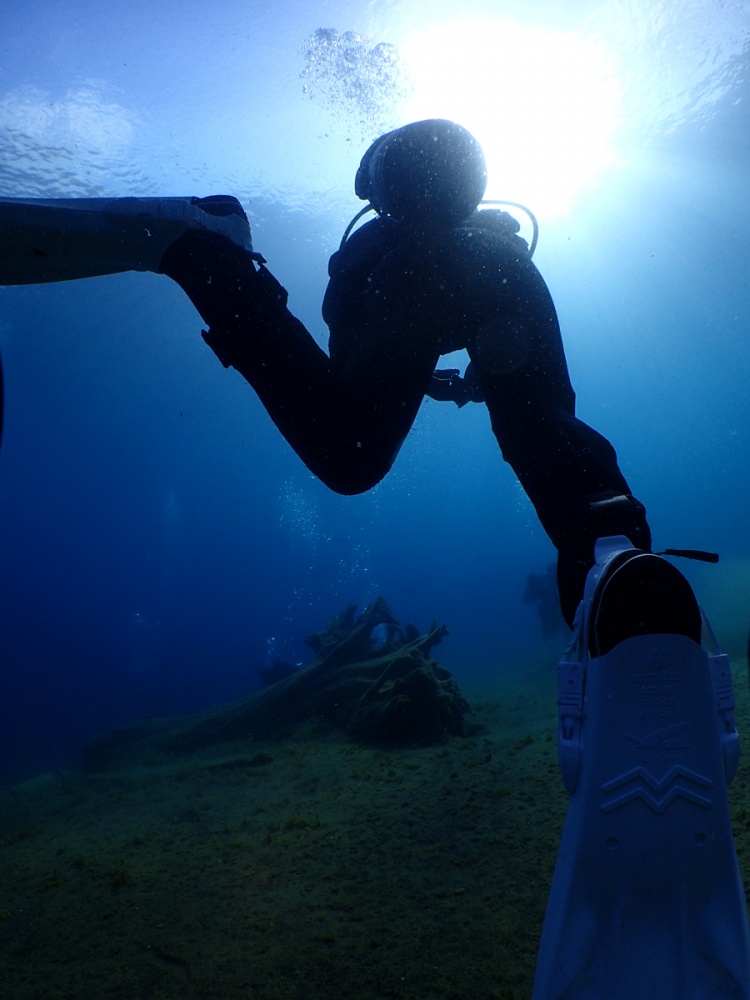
353 482
350 477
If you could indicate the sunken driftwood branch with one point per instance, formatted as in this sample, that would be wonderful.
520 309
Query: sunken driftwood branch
392 694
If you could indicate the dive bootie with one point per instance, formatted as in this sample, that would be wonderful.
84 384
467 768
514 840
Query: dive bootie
647 899
62 239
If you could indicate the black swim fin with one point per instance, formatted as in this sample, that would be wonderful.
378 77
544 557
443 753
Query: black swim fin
62 239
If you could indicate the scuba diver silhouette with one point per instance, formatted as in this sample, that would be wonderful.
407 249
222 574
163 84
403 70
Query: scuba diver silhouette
647 899
428 276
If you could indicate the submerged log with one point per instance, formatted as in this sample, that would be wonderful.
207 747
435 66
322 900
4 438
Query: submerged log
390 693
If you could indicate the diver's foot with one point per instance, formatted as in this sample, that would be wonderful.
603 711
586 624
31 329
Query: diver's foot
221 205
207 224
213 259
641 594
223 215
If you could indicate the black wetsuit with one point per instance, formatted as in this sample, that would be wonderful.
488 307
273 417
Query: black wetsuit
398 299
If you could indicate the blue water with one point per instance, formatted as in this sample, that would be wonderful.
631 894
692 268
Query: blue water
158 540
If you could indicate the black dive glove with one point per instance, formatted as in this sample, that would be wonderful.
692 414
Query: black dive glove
447 386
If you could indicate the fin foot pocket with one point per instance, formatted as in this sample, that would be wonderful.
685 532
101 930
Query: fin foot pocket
642 594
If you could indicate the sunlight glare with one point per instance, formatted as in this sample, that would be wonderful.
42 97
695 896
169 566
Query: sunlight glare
544 104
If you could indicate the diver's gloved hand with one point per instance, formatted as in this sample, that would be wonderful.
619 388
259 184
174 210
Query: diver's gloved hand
447 386
444 384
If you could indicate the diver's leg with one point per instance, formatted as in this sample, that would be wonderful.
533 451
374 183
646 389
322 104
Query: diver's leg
347 428
647 898
569 472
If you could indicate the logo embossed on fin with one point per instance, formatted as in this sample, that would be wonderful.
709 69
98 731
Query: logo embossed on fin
678 783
